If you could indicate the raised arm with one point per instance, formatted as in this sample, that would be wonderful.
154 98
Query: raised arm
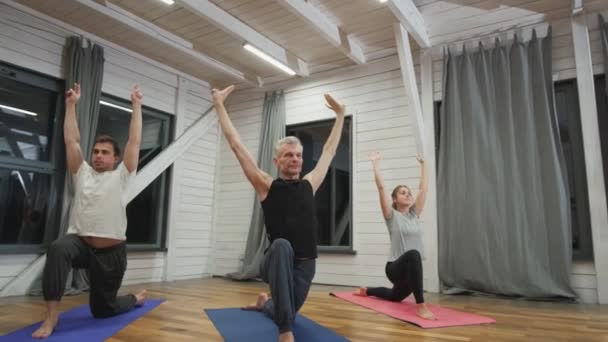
71 134
131 156
260 180
385 201
317 175
421 197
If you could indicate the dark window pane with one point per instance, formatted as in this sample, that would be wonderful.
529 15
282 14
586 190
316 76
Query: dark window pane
437 116
601 97
333 198
26 119
24 197
324 207
569 124
115 123
341 237
144 216
145 212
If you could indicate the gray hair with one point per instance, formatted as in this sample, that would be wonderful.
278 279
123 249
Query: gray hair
288 140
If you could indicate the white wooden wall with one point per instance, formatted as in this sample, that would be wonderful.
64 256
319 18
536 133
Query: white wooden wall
234 195
35 41
194 178
12 265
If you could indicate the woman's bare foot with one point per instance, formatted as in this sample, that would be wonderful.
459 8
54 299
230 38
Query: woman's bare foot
286 337
362 292
47 327
141 297
259 304
425 313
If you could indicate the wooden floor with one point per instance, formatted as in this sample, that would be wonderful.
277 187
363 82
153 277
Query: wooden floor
181 316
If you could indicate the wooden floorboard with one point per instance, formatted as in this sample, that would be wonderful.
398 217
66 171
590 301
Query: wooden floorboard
181 316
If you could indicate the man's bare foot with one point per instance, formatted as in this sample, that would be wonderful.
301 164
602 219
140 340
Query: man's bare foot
286 337
259 304
47 327
425 313
362 292
141 297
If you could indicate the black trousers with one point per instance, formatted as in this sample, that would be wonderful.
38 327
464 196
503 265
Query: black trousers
406 275
106 267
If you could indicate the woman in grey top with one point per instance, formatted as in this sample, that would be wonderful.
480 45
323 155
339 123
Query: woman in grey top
404 266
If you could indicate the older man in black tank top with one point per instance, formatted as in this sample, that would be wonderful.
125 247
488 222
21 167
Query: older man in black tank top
290 215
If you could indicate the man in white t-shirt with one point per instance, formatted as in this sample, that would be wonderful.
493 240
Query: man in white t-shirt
96 234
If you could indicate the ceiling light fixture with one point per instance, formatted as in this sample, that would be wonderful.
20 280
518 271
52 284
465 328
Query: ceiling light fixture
268 59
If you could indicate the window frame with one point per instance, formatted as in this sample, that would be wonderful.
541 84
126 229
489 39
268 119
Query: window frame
162 206
348 120
581 192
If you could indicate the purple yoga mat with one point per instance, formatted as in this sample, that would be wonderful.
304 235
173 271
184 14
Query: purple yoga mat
78 325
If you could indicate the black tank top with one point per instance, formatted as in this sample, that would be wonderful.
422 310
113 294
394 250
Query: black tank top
290 213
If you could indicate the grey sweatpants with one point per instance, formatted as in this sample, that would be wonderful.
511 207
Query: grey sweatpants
289 280
106 266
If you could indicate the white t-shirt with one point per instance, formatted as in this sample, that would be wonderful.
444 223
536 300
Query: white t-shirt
100 202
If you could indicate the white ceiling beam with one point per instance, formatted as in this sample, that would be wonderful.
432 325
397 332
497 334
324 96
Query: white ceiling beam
66 28
577 6
245 33
171 153
411 19
328 30
167 38
408 74
430 233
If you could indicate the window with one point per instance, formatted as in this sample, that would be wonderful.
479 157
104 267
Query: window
31 159
333 198
146 214
569 122
437 128
601 97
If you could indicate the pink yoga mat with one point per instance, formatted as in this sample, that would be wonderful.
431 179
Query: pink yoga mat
406 311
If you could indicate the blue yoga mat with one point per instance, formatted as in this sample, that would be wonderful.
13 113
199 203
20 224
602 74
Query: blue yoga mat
252 326
78 325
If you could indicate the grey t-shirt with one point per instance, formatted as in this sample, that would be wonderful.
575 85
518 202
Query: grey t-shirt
405 233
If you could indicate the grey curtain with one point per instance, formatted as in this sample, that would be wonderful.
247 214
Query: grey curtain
273 129
504 211
84 64
604 37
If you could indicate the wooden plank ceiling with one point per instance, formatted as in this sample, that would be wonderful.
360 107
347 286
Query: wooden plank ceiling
178 36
